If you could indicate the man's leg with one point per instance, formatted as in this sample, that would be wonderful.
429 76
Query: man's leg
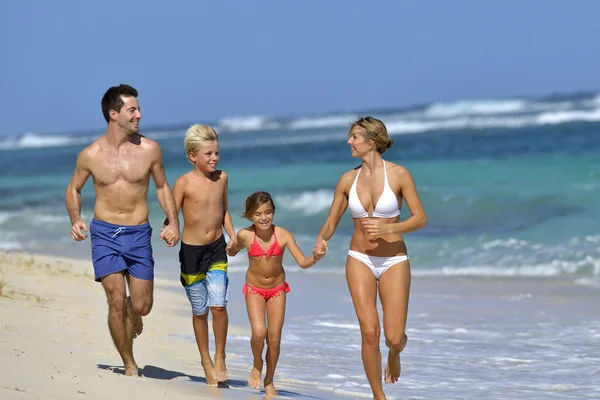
120 326
139 302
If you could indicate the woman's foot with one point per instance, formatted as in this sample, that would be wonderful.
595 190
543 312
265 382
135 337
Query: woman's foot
255 375
270 390
393 367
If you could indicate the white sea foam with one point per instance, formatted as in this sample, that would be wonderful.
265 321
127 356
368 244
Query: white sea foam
308 203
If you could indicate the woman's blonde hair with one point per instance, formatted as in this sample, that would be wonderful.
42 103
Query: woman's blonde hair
196 135
375 130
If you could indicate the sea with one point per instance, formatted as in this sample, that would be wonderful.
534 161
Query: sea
510 186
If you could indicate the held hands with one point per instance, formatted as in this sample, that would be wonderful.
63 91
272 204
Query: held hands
170 234
320 248
231 248
76 230
374 227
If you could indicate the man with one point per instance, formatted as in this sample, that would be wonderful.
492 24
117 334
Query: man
121 163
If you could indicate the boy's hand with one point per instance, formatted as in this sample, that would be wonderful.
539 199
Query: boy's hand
170 234
231 248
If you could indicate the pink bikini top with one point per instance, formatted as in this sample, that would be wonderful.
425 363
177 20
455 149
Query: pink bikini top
257 251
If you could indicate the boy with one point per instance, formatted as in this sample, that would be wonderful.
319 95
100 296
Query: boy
201 194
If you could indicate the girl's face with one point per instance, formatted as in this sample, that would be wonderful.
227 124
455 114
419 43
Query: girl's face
263 216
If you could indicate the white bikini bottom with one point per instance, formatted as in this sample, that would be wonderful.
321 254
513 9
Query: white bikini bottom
377 265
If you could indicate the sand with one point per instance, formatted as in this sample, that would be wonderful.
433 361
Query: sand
55 342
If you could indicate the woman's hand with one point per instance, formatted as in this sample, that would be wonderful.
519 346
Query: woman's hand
374 227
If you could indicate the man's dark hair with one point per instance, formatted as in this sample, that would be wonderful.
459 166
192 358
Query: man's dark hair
112 98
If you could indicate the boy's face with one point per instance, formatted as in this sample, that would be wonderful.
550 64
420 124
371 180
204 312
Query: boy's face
263 216
206 157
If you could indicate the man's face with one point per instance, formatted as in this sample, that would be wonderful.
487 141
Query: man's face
129 116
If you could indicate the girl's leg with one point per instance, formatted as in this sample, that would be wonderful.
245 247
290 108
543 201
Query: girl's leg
256 305
275 317
363 289
394 291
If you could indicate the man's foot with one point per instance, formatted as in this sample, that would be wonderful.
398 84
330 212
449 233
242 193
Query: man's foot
254 379
209 373
131 370
136 319
270 390
393 367
220 371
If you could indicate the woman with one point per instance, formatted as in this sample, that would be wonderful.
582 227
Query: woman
377 256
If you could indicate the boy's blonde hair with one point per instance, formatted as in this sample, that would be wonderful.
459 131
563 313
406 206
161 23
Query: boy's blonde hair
196 135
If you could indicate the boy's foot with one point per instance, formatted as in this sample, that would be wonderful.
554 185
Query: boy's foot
270 390
209 373
254 379
220 370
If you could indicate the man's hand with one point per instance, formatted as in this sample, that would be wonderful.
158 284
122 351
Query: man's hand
76 230
170 234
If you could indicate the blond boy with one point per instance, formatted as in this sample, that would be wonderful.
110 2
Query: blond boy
201 194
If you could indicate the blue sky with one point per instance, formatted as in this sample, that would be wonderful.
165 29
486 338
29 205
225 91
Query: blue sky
203 60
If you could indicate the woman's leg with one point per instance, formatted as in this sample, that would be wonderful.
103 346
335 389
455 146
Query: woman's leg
275 317
394 291
256 305
363 289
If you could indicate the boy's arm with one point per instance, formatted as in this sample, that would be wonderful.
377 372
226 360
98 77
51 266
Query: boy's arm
227 222
301 259
178 192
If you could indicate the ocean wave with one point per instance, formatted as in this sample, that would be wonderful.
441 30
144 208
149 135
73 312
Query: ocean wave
308 203
463 114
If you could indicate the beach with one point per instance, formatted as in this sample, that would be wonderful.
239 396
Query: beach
56 345
469 337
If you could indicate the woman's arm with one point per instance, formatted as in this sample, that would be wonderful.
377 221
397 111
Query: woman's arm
336 211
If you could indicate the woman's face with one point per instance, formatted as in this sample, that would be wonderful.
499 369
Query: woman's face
358 145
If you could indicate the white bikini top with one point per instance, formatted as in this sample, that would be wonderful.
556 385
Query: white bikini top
386 207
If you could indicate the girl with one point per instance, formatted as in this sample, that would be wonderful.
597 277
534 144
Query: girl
265 289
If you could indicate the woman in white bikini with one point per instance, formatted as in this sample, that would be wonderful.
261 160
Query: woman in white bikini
377 257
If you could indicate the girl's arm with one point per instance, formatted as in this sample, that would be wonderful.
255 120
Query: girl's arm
290 242
242 237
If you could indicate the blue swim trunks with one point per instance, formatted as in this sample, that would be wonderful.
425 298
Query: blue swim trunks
204 275
118 248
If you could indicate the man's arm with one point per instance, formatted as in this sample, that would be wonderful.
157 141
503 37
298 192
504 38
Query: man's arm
73 195
165 196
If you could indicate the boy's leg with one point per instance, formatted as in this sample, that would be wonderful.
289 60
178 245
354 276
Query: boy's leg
198 296
275 317
256 305
217 284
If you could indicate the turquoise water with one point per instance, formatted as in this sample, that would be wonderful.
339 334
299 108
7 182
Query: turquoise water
500 200
506 194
